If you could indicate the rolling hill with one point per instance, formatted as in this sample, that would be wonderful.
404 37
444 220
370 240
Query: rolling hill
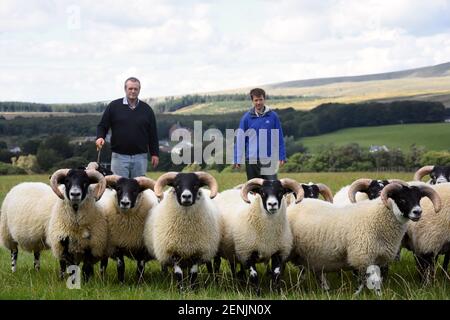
427 83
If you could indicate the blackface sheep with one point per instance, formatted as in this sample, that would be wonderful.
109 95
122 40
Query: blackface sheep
126 207
77 230
183 229
330 238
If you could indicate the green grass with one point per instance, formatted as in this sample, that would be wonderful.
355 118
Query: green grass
29 284
433 136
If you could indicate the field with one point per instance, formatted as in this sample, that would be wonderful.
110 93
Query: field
429 89
432 136
28 284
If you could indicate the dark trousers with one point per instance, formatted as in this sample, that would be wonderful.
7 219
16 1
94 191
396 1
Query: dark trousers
253 170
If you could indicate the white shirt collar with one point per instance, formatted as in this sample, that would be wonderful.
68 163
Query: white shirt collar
125 101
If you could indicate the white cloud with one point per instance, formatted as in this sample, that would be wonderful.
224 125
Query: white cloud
178 47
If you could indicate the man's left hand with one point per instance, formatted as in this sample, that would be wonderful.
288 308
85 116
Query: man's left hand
155 161
282 162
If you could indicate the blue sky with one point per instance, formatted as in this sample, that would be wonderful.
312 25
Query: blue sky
81 51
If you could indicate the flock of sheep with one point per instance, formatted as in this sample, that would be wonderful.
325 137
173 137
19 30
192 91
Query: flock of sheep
85 217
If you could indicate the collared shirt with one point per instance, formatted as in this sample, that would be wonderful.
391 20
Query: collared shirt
125 101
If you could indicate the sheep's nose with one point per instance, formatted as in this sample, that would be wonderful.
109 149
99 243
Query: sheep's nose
124 203
186 196
75 194
272 204
417 211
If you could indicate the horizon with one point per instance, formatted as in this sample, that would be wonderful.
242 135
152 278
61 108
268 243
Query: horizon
74 52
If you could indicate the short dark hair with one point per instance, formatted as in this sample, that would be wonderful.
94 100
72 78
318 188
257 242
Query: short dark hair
132 79
257 92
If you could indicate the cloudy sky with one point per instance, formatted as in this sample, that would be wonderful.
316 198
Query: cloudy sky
81 51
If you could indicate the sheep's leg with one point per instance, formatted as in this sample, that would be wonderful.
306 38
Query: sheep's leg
322 278
37 260
88 266
178 275
140 268
446 260
361 277
232 263
217 262
103 266
277 269
193 274
120 268
62 269
251 264
384 271
425 264
14 254
164 269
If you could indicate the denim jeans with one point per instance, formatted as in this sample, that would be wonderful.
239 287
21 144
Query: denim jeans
129 166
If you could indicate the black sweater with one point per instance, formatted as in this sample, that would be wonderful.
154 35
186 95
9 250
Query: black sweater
133 131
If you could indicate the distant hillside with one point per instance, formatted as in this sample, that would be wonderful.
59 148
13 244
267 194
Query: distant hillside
440 70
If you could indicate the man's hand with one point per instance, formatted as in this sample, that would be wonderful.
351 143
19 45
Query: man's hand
282 162
99 143
155 161
236 166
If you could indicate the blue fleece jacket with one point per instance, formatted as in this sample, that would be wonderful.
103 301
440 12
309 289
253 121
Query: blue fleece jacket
256 134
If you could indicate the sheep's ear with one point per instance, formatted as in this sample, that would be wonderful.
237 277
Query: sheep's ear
256 189
287 191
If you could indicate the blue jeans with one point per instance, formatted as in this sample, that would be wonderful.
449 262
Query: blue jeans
129 166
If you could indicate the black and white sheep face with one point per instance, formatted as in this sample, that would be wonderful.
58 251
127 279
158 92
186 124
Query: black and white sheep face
128 191
311 191
375 187
76 183
407 201
271 193
187 187
440 174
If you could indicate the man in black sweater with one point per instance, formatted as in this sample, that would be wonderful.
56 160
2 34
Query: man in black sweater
133 135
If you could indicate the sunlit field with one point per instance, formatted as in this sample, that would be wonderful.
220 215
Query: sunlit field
26 283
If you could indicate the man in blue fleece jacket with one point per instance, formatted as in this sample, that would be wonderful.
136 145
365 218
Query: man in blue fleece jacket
259 140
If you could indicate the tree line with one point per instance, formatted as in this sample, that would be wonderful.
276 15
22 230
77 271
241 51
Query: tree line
323 119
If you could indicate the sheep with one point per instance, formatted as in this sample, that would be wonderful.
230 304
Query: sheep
330 238
359 190
257 231
312 190
430 237
103 170
25 215
438 174
77 230
126 207
183 229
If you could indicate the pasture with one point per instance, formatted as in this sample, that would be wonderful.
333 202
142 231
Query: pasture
26 283
429 135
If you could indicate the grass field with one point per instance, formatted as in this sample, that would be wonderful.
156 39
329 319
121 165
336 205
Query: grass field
28 284
433 136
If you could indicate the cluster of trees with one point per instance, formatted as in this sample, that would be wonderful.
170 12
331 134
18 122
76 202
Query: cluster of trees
353 157
53 152
95 107
323 119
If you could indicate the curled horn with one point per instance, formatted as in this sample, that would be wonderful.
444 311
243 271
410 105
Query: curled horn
296 187
387 190
56 176
163 181
145 183
429 192
325 192
111 181
358 185
422 172
92 166
210 181
100 180
249 186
